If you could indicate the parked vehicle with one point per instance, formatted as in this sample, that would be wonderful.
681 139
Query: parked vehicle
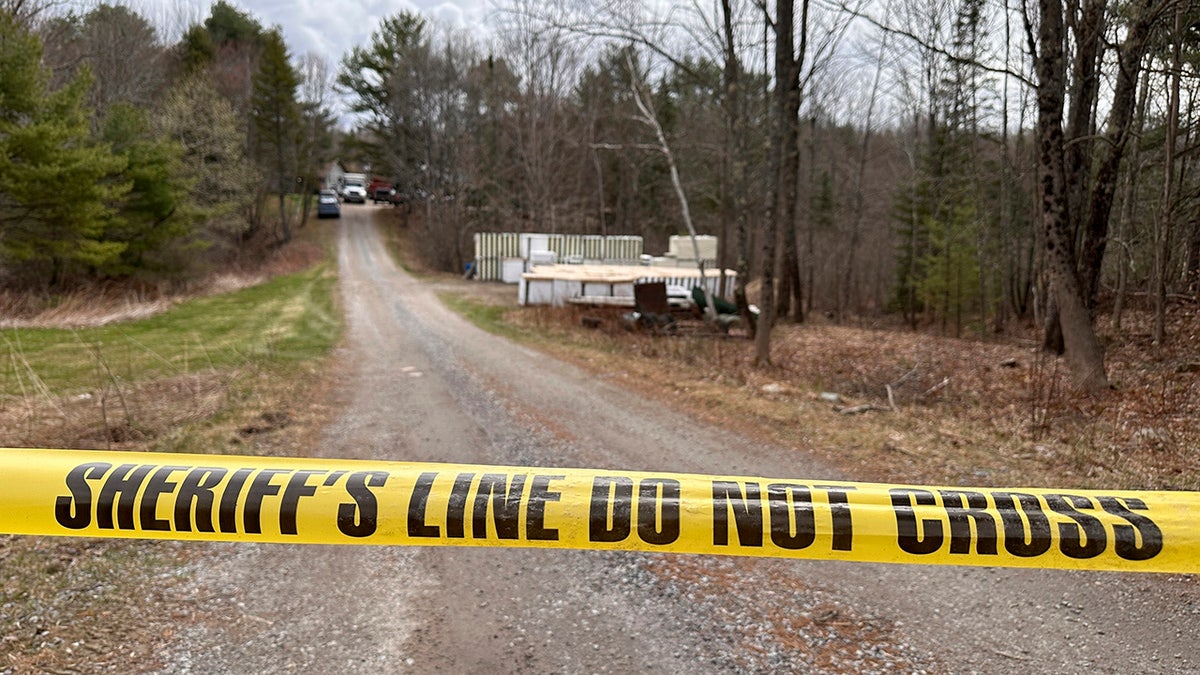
354 187
327 205
383 195
377 183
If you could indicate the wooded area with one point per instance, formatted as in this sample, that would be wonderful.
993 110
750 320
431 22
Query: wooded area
125 157
960 164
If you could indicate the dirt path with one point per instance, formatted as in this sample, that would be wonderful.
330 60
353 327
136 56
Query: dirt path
419 383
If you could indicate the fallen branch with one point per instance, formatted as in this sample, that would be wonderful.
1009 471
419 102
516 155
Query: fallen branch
905 376
937 387
1014 657
859 409
896 448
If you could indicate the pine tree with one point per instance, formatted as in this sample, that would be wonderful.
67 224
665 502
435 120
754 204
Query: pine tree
149 219
196 50
275 116
385 81
57 185
226 23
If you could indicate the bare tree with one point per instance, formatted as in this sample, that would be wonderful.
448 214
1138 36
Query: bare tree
1093 183
544 53
734 204
784 164
1165 220
1084 356
649 117
315 141
26 12
120 47
843 293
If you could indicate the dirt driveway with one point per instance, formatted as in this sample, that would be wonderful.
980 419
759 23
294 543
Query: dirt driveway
419 383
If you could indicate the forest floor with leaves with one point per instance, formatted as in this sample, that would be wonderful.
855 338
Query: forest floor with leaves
898 405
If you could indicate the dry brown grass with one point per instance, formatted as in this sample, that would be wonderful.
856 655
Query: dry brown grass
966 412
113 302
111 418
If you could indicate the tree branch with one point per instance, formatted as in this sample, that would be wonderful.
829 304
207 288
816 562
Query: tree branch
626 146
954 58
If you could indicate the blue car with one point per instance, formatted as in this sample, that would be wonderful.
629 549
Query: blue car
327 205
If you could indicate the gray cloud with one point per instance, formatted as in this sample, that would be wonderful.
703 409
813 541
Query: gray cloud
332 28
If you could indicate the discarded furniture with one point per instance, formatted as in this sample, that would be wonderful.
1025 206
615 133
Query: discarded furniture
651 310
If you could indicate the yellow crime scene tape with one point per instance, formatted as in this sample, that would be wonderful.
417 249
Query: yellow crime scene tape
318 501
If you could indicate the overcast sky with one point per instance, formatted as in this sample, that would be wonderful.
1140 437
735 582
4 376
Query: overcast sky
332 27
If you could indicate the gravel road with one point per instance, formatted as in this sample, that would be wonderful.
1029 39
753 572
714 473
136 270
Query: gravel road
419 383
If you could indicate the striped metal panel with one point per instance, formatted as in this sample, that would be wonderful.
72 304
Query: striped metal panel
555 242
566 245
713 283
487 269
491 248
623 248
593 247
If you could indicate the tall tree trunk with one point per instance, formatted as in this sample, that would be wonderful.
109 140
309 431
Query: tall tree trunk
789 193
785 60
787 261
791 298
810 247
1163 224
1091 214
1128 201
736 147
1088 27
847 281
305 204
791 292
1089 30
285 234
1084 356
792 166
1124 103
785 163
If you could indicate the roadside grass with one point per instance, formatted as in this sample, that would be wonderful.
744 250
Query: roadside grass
237 372
488 316
162 379
398 238
289 319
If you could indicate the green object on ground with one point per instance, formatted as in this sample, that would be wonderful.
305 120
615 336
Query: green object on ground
722 305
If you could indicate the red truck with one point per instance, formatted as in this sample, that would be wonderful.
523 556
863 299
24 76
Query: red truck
380 191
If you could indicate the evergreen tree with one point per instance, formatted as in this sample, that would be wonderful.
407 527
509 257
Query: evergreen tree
196 50
276 123
386 80
149 218
56 184
226 23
